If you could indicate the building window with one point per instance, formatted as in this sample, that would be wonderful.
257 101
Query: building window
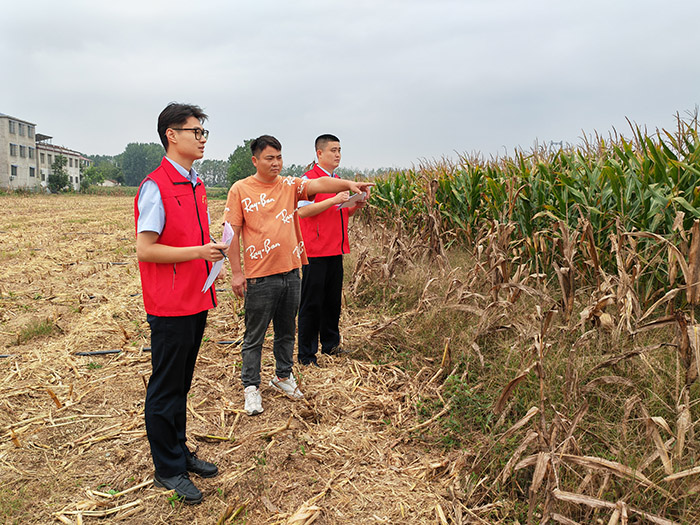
13 150
43 176
43 158
13 171
50 162
32 172
30 132
23 151
70 163
31 152
13 127
21 129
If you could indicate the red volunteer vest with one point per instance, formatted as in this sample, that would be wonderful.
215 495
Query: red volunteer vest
171 290
325 234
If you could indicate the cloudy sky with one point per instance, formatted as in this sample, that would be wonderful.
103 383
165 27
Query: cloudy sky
397 81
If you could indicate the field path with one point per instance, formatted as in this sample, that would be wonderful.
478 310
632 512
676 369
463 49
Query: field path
73 446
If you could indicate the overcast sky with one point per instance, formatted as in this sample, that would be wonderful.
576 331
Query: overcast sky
397 81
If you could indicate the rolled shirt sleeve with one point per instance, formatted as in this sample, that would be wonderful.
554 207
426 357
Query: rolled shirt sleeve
151 210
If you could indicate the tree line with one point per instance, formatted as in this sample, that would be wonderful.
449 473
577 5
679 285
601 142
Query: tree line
137 160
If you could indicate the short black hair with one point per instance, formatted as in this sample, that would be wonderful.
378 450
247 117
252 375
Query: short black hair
324 139
262 142
176 114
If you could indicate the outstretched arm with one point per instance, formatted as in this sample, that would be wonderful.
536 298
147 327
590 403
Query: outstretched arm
333 185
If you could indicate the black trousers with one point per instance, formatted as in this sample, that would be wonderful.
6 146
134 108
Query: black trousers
174 347
319 309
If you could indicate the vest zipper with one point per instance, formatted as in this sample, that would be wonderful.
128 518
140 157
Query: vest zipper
342 225
342 231
201 235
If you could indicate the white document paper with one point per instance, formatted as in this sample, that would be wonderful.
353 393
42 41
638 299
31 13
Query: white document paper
216 267
352 200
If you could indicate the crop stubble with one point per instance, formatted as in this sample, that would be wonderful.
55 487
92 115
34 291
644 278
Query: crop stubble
73 445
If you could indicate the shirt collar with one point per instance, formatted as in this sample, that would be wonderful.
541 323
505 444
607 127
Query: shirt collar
326 172
189 175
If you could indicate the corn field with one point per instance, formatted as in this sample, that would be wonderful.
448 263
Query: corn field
573 325
642 190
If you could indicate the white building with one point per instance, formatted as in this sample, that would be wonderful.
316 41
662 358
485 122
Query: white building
26 156
18 167
47 155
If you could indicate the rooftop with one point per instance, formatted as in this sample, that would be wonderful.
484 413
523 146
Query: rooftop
3 115
59 150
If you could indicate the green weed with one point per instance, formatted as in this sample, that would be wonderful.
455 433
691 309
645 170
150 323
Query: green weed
470 411
10 504
175 498
36 328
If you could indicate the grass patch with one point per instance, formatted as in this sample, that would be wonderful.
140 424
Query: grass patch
36 328
217 192
115 191
10 505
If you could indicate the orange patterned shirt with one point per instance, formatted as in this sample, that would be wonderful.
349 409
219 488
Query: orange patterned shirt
266 214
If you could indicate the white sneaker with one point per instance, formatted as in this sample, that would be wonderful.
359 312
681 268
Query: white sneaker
287 386
253 401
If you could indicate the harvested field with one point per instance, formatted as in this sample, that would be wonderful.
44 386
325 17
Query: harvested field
479 389
73 446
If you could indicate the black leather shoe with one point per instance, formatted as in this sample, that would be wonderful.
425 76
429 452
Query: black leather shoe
310 363
182 486
202 468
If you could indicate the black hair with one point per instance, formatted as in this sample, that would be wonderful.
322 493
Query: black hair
262 142
176 114
324 139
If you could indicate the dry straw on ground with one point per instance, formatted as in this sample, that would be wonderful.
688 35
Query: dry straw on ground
73 446
481 393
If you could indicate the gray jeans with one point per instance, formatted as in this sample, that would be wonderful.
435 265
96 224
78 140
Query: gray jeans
272 298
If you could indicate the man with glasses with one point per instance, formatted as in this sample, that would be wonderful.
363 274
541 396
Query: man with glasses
174 251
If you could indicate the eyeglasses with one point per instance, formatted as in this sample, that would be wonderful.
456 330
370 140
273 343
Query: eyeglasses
198 132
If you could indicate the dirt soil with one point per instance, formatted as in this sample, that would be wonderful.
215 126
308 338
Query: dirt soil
74 447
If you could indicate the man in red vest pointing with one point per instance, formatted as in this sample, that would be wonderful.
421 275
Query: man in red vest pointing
324 226
174 252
